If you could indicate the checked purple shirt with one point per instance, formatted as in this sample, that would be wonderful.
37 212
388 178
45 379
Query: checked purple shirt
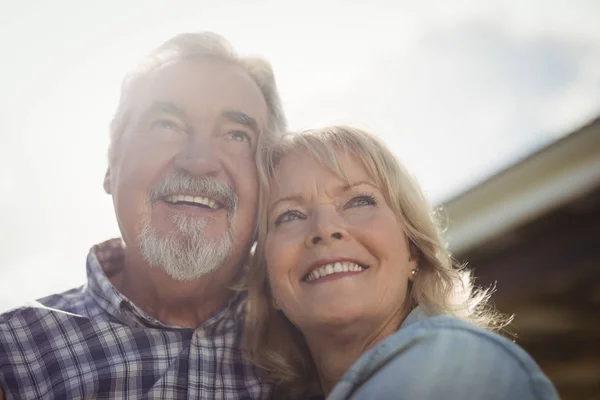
92 342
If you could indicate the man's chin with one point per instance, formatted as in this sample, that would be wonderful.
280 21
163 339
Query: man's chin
186 250
185 259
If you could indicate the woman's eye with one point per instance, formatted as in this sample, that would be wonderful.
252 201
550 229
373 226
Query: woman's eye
361 201
240 136
288 216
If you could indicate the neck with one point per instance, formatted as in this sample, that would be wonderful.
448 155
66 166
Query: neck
335 349
185 304
333 362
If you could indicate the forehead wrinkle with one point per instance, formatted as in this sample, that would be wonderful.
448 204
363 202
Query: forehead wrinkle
166 80
329 187
350 186
342 182
300 197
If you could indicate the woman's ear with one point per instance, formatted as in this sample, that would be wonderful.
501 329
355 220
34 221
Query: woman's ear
413 260
275 304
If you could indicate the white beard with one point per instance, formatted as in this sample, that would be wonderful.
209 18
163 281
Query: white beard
187 254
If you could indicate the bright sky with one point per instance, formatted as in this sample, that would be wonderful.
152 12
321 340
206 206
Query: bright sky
458 89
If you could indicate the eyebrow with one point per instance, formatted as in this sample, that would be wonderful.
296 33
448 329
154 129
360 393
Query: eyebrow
298 197
166 107
241 118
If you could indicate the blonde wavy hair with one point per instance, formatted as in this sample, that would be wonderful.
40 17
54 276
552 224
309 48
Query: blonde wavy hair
441 286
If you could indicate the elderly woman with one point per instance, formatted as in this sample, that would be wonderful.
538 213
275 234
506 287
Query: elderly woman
354 295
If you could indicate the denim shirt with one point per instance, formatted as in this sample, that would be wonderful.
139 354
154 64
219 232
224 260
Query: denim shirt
443 358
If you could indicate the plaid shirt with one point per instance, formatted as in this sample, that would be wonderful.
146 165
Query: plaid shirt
92 342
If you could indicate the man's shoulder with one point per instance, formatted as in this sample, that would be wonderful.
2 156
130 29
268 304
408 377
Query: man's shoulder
68 300
71 302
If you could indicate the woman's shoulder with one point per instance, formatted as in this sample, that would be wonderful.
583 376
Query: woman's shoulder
442 355
445 337
455 333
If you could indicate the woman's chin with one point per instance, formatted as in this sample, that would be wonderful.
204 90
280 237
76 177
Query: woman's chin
334 318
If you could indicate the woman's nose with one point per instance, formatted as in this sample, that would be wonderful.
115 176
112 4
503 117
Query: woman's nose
327 229
317 238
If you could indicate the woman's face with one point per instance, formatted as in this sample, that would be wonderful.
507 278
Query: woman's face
335 251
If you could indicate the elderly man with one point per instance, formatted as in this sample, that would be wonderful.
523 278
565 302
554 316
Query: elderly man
157 317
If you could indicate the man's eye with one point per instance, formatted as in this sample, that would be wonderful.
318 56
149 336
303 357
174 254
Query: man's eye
239 136
288 216
361 201
166 124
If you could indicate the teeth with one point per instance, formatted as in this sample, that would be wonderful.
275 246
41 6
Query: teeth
193 199
334 268
337 267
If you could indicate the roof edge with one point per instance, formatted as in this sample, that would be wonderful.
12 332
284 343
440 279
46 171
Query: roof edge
546 179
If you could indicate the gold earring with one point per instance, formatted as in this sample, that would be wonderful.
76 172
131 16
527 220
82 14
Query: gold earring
413 272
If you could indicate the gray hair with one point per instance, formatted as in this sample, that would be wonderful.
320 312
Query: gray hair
197 46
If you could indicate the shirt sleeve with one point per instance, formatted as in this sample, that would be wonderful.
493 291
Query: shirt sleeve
456 364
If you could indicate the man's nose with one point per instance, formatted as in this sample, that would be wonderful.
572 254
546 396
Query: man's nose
327 228
199 157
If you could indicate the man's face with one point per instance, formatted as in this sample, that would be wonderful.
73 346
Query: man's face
184 182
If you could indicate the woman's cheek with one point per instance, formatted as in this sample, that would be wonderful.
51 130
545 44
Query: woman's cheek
279 251
361 217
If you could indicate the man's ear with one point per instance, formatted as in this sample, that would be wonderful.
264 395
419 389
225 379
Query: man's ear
107 182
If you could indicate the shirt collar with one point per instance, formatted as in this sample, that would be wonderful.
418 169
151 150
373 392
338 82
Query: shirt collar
106 259
416 315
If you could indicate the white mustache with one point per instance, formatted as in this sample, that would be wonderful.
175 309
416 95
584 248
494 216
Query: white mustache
202 186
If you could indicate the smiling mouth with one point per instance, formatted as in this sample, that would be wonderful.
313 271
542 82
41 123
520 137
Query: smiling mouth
334 268
195 201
